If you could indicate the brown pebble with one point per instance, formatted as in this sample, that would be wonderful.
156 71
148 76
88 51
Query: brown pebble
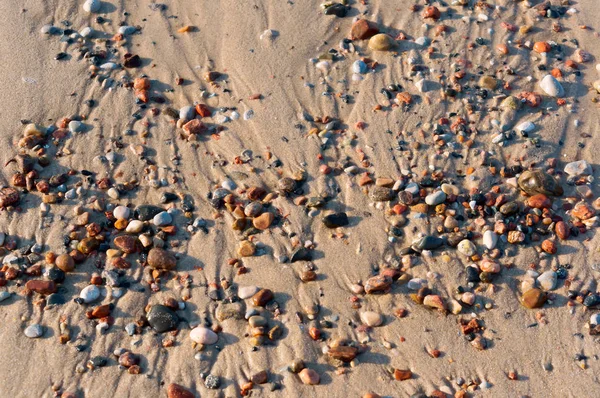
65 263
177 391
533 298
161 259
262 297
402 374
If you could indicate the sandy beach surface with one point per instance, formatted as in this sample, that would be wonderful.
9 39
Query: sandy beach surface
342 214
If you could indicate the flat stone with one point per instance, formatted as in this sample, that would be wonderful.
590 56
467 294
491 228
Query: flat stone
381 42
202 335
257 321
177 391
429 243
416 283
126 243
538 181
34 331
363 29
371 318
578 168
134 227
226 311
41 287
162 318
246 292
161 259
378 284
335 220
381 194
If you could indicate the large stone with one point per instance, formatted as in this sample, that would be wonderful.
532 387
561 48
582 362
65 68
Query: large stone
202 335
363 30
177 391
162 318
537 181
533 298
161 259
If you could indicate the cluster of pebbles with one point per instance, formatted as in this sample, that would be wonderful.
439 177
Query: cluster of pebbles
541 206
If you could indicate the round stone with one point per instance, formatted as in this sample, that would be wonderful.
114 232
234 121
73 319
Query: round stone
578 168
381 42
65 263
92 6
371 318
162 318
34 331
90 294
121 212
161 259
309 376
466 247
246 292
187 113
202 335
75 126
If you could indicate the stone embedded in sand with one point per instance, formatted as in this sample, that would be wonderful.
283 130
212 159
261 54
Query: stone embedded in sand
8 197
515 237
525 127
429 243
431 12
263 221
533 298
177 391
381 194
34 331
337 9
343 353
202 335
552 87
402 374
541 47
92 6
162 318
538 181
127 244
510 103
287 185
381 42
161 259
246 249
488 82
41 287
434 301
378 284
88 245
309 376
335 220
262 297
226 310
128 359
247 292
363 30
187 113
371 318
578 168
65 263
